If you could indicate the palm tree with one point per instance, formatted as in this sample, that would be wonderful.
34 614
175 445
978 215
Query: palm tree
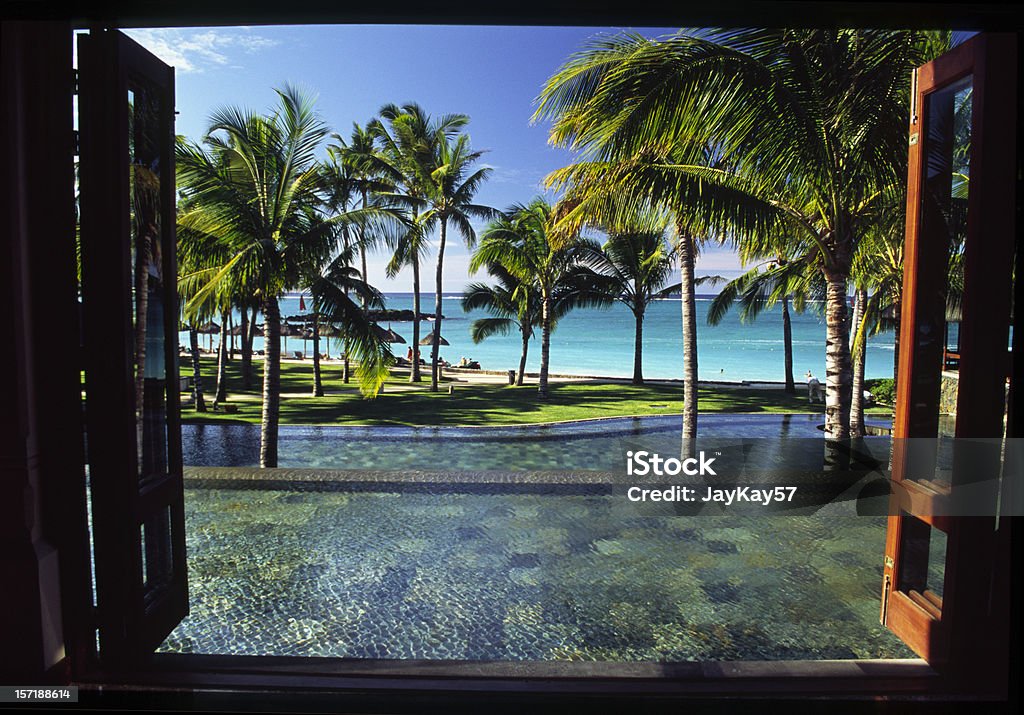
365 171
409 144
521 243
778 281
332 281
639 265
617 195
449 200
512 304
812 122
254 190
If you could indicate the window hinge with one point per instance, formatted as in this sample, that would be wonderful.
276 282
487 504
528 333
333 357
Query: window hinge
74 82
76 140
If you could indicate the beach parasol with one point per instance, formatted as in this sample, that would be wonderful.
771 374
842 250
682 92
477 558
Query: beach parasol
287 331
327 330
210 329
429 340
389 335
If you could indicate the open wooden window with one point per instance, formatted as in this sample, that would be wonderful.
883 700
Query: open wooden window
941 591
130 313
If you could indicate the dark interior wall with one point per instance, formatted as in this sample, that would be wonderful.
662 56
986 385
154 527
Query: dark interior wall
41 464
637 13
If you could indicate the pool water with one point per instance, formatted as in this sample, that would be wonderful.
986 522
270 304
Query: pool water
484 572
594 444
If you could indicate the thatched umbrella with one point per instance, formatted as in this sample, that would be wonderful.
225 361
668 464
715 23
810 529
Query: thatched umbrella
429 340
389 335
210 329
286 331
326 330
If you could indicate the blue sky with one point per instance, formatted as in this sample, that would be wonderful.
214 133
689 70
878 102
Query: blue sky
493 74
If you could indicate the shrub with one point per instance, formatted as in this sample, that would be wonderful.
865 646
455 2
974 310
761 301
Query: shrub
883 390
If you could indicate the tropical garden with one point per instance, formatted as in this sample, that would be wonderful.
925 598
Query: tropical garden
789 145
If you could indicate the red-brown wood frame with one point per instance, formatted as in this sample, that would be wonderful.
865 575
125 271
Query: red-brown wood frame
968 637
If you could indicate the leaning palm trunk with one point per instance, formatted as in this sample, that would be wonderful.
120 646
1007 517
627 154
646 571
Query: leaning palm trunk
687 257
437 308
787 344
271 383
838 370
318 386
638 350
522 358
545 348
857 391
414 374
222 354
197 376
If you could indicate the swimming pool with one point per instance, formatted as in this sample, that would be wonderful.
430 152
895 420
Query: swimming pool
497 572
594 444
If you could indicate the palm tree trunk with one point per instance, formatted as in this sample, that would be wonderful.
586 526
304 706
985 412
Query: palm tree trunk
222 355
787 344
271 383
638 350
437 307
545 347
857 390
197 378
346 366
522 358
231 333
414 374
838 370
362 252
318 386
687 257
246 350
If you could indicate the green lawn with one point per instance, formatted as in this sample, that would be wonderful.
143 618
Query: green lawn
474 405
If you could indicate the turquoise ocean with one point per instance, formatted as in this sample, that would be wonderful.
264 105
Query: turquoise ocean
600 342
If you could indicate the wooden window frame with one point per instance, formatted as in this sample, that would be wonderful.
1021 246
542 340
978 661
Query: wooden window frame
966 636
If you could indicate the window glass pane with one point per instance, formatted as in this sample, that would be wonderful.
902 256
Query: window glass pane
148 282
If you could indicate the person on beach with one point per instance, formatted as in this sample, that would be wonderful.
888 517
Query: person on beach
815 391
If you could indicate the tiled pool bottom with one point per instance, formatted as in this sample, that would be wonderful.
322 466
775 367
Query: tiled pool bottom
538 577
